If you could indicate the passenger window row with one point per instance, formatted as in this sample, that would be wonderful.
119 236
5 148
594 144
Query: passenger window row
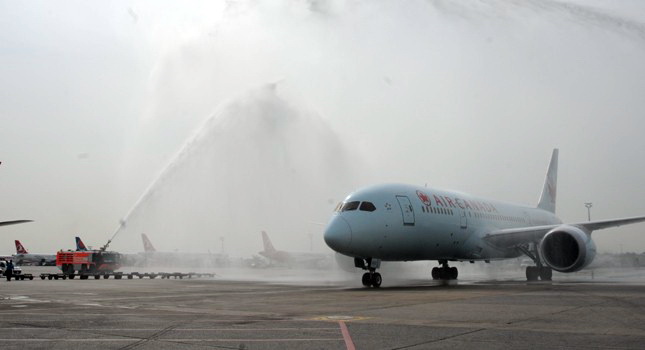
499 217
433 210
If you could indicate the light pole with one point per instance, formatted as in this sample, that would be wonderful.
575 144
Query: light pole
589 205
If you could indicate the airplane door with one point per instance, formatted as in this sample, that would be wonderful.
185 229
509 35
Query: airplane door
406 210
463 223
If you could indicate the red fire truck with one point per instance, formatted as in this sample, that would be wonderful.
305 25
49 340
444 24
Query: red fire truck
88 262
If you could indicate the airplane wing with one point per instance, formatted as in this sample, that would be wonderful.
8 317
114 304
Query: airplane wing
515 236
5 223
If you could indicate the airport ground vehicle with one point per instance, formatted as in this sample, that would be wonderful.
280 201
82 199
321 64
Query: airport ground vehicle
17 272
88 262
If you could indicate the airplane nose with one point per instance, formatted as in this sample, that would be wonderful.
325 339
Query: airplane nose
338 234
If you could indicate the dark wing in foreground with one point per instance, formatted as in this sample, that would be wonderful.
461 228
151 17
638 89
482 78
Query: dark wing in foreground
516 236
14 222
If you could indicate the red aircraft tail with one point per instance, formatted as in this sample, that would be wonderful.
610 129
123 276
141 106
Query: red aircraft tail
20 249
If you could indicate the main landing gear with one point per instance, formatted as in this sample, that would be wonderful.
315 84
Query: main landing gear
370 278
444 272
543 272
540 271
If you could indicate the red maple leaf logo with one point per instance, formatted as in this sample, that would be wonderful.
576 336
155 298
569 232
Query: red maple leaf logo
423 197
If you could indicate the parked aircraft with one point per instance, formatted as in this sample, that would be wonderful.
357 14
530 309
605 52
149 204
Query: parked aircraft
23 257
151 257
301 259
397 222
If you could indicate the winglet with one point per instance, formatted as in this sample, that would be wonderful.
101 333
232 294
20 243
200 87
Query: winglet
547 199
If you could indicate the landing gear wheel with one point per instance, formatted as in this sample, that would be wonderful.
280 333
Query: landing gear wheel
453 273
376 280
532 273
436 273
546 273
366 279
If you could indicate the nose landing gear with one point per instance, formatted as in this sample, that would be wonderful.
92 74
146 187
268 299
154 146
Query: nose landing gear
444 272
370 278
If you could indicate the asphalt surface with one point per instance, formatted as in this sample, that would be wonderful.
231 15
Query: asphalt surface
568 313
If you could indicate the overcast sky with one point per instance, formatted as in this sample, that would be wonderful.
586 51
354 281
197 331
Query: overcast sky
98 98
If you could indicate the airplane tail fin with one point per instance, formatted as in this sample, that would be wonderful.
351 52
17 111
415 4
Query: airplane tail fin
20 249
80 246
147 245
268 246
547 199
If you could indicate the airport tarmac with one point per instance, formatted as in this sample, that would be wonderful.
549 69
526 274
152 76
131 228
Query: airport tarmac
607 312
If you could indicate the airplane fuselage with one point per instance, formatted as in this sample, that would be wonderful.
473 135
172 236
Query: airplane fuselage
37 259
405 223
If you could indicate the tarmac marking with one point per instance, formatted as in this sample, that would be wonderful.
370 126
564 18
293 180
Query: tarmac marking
339 318
346 337
181 329
257 340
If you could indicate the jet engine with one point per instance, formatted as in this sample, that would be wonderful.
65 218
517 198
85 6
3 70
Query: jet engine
567 248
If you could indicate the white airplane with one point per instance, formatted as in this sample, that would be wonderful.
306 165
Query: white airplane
398 222
152 257
22 257
304 259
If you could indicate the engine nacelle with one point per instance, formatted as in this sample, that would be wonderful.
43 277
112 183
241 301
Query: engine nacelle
567 248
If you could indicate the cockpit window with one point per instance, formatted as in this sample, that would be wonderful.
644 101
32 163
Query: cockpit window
338 206
350 206
367 206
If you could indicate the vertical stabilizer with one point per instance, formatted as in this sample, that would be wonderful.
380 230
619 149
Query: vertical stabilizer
80 246
20 249
147 245
268 247
547 199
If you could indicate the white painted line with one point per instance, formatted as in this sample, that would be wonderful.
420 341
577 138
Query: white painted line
93 340
173 330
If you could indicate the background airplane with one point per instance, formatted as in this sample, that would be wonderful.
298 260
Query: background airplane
151 257
23 257
293 259
398 222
